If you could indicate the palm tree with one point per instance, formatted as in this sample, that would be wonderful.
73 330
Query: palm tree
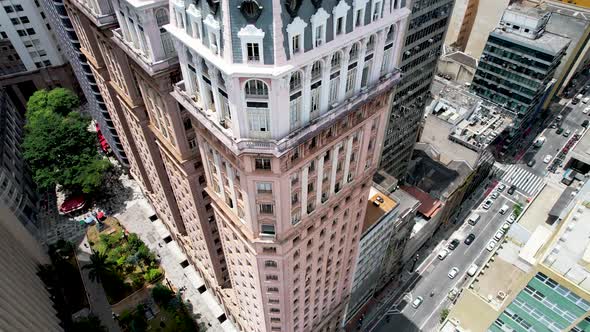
98 266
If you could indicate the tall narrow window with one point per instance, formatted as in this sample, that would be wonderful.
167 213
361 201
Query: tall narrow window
376 11
295 100
359 17
340 26
351 80
319 35
296 44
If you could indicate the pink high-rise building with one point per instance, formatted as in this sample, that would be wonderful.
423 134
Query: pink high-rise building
255 127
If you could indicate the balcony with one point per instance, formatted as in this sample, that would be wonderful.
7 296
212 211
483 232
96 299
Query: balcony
100 12
279 147
149 66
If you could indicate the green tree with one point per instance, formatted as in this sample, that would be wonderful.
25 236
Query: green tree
58 146
88 324
99 266
444 314
162 294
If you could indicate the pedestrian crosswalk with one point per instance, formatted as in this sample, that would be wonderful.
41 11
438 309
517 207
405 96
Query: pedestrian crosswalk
525 181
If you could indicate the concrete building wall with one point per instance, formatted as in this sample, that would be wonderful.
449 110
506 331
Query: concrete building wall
25 304
488 16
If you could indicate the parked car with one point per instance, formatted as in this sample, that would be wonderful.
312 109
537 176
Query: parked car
547 159
453 293
453 272
501 187
442 254
487 204
585 123
511 219
559 131
417 302
499 234
472 270
454 244
567 133
505 226
531 163
512 189
491 245
554 125
585 110
586 100
495 194
504 209
469 239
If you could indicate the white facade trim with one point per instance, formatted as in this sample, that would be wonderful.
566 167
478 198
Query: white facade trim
195 20
297 27
254 35
359 5
319 19
213 29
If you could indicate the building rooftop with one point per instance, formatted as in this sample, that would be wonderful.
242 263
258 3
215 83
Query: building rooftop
568 253
463 58
429 206
436 133
547 42
378 205
581 151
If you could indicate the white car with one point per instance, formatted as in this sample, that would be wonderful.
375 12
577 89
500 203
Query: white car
585 110
453 294
417 302
505 226
453 273
547 159
487 204
511 219
443 254
501 187
491 245
495 195
499 234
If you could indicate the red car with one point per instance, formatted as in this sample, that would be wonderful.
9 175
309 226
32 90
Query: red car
72 204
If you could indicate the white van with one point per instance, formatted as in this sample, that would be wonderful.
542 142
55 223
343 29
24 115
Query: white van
472 270
473 219
504 209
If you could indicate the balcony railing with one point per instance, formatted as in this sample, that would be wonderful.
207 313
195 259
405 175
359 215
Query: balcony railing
278 147
151 67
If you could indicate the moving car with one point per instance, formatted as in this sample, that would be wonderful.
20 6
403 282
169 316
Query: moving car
442 254
512 189
491 245
473 219
469 239
453 273
454 244
501 187
472 270
499 234
495 194
487 204
531 163
417 302
547 159
504 209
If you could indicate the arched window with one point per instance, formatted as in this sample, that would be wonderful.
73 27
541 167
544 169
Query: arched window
371 43
335 62
256 88
316 70
162 17
354 52
390 34
295 81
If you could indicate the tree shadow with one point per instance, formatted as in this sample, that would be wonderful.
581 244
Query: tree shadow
114 194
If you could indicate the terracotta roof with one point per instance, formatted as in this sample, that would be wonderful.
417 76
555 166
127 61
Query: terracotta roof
429 206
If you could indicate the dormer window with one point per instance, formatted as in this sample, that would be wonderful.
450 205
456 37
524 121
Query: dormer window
251 39
359 12
339 14
376 10
253 52
318 23
296 30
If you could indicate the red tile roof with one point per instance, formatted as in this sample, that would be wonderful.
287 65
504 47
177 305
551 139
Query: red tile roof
429 206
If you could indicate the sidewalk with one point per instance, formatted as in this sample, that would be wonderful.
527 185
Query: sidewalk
99 305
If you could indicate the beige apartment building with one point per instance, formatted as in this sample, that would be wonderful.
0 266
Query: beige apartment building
254 127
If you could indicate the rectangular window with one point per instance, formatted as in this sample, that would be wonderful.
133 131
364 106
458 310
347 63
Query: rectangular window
21 33
295 112
262 163
253 52
258 120
272 289
8 9
339 25
266 229
319 35
315 101
24 19
359 18
351 80
31 31
334 87
296 44
272 277
18 8
377 11
264 187
266 208
366 73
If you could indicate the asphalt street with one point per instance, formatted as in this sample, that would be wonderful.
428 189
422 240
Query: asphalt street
433 273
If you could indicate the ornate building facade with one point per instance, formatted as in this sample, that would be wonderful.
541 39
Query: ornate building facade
255 128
